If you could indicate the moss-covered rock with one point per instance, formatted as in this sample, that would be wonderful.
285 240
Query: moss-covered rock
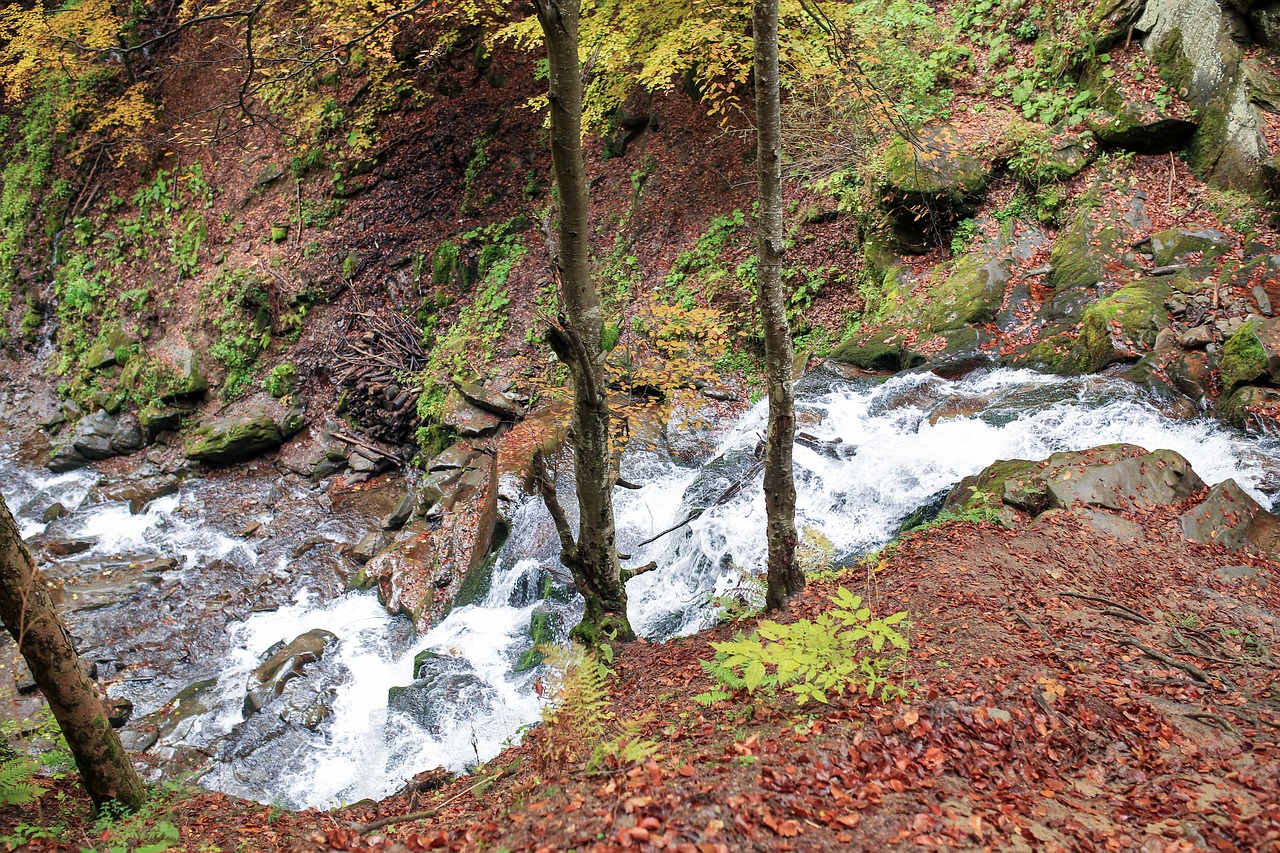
988 488
1080 253
972 293
476 583
1049 157
1252 408
1122 326
928 183
884 349
155 418
1251 354
234 440
111 347
1199 48
1176 244
938 162
1143 128
542 631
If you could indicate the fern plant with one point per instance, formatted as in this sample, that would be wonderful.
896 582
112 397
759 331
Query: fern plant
579 725
843 649
576 717
18 782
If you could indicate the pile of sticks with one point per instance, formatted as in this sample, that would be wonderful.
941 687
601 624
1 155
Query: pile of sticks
381 355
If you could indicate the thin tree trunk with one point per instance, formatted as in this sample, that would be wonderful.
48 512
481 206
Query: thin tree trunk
786 578
593 558
29 615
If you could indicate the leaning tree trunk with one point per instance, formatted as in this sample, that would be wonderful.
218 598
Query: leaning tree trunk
786 578
593 558
28 614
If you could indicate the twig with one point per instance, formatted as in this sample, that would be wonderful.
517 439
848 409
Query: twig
1100 600
1190 669
423 815
363 445
1173 168
1214 719
1120 614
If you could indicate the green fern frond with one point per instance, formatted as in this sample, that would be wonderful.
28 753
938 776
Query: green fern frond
17 782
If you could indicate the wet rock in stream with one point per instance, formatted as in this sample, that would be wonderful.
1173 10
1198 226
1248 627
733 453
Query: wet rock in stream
282 666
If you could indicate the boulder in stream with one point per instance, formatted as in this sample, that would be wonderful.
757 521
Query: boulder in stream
269 679
262 425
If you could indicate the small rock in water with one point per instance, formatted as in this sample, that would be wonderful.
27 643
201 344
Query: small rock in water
364 550
249 529
67 547
54 512
268 680
307 544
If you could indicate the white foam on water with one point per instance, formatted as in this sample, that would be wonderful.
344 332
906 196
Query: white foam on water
174 525
888 459
893 460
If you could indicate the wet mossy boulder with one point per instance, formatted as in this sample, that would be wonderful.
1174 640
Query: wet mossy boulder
1122 326
1251 354
235 440
543 625
883 349
476 583
1252 408
971 294
936 163
1081 252
1199 47
928 183
444 684
1177 244
259 428
988 488
165 382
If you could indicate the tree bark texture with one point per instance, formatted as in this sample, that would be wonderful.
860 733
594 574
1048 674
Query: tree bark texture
785 576
29 615
593 558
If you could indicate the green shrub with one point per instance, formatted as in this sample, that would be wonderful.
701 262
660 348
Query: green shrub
281 379
843 649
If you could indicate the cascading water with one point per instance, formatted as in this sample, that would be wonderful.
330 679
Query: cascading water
872 453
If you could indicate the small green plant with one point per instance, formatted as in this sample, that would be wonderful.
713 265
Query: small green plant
963 236
18 784
242 326
702 260
843 649
475 167
118 831
281 379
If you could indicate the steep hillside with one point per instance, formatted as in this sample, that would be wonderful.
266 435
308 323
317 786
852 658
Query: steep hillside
326 257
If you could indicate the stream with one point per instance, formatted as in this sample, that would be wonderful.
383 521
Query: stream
184 594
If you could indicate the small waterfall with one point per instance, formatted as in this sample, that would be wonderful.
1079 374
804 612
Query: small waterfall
879 451
872 452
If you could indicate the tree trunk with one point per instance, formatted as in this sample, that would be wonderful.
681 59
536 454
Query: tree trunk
786 578
28 614
593 558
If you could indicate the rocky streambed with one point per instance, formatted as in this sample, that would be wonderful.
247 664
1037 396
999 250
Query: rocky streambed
301 640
